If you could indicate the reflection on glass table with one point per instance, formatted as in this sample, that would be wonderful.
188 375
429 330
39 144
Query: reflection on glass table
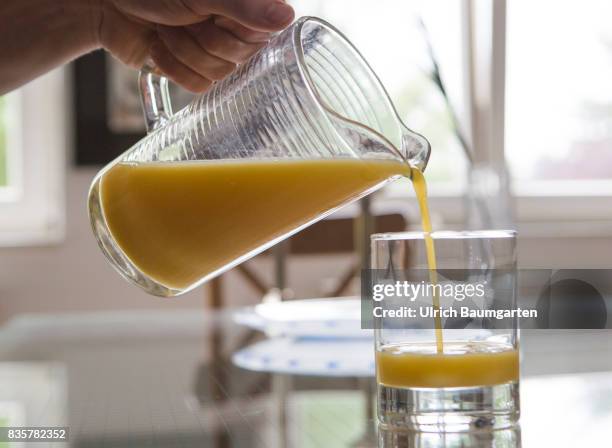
165 379
503 438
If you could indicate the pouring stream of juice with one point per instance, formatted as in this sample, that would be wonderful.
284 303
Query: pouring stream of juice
420 188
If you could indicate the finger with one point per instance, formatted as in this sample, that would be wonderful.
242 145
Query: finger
261 15
127 40
176 70
221 43
242 32
165 12
184 48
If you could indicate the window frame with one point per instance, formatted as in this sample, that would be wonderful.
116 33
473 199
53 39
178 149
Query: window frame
32 207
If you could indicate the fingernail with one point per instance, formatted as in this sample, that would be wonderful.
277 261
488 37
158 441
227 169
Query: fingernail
279 13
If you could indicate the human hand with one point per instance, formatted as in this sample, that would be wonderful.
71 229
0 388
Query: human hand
192 42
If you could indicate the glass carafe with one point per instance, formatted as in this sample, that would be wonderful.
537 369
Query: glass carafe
301 129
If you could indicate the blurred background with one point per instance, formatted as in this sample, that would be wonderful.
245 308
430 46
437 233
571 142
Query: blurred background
515 98
526 97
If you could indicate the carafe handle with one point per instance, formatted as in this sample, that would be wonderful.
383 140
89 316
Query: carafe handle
154 97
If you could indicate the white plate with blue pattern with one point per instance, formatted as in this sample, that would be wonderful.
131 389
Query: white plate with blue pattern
312 357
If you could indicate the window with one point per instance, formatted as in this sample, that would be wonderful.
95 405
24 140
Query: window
559 116
3 143
32 158
559 100
10 148
9 142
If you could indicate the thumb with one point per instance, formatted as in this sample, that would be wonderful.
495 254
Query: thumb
261 15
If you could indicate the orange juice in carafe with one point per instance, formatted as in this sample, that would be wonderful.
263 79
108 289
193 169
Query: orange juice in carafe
179 222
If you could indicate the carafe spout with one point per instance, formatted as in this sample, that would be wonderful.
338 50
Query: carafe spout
415 148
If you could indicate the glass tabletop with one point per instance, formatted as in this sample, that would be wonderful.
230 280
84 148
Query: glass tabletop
170 379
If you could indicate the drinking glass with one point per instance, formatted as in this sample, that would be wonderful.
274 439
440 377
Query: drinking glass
454 372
